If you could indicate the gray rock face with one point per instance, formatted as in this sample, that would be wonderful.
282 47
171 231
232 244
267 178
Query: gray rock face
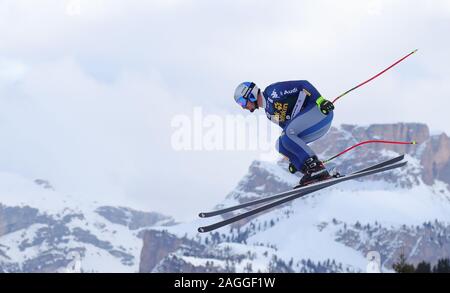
16 218
44 183
168 253
34 241
162 244
131 218
430 241
432 151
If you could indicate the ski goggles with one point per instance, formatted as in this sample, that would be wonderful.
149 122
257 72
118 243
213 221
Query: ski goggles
247 96
242 102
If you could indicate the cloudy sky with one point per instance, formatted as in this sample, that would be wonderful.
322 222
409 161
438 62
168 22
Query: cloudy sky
89 88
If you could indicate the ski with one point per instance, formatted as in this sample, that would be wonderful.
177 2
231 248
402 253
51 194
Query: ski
300 193
295 191
382 164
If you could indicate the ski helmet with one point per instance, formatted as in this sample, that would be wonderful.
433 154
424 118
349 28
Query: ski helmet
246 91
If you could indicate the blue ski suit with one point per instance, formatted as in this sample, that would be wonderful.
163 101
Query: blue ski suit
292 105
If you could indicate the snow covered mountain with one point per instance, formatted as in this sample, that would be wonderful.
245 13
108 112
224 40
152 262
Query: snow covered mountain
42 230
407 210
401 211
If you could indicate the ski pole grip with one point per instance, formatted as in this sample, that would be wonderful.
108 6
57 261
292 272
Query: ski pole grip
320 100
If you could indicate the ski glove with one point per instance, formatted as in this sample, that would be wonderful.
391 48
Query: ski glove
325 106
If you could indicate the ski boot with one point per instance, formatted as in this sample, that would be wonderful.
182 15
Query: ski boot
314 171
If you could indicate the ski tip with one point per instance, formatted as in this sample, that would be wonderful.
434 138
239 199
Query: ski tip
202 215
401 157
201 230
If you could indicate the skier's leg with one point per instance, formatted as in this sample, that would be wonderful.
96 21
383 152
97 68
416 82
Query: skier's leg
298 151
304 129
282 150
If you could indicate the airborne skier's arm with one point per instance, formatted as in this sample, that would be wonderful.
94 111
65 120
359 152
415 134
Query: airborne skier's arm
311 91
324 105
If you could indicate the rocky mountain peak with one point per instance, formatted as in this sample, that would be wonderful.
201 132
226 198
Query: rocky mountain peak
433 151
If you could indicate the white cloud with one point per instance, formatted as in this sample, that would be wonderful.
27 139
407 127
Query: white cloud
11 70
87 98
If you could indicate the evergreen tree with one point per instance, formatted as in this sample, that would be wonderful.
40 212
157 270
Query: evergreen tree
423 268
402 266
248 268
443 266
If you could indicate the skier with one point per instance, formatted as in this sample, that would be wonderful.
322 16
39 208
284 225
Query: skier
303 114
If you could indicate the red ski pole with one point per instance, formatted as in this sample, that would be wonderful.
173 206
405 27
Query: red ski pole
368 142
372 78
